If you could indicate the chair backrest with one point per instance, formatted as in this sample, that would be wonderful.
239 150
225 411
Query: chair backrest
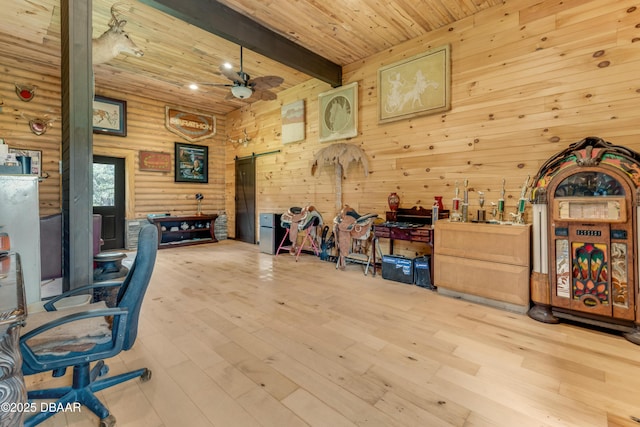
134 286
51 246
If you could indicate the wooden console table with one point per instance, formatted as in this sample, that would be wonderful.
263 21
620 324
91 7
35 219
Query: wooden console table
13 313
184 230
487 263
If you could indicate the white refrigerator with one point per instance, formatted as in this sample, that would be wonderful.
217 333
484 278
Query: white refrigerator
20 219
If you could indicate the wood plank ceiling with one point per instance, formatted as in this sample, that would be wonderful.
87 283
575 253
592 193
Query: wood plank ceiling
177 53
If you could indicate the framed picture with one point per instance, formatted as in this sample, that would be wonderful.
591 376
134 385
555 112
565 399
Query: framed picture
415 86
192 163
109 116
36 158
338 113
292 122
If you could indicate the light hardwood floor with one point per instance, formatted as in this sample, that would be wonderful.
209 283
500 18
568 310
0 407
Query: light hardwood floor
235 337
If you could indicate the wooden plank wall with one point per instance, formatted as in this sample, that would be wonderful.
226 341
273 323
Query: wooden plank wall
147 192
528 78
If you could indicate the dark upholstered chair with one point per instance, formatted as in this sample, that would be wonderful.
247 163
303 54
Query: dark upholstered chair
51 244
75 337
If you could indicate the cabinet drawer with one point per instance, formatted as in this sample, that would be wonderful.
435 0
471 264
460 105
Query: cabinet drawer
382 232
421 235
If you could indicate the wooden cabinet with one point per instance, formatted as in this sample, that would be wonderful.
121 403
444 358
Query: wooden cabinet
184 230
488 263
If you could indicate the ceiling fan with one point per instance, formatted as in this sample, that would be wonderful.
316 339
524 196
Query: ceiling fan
245 87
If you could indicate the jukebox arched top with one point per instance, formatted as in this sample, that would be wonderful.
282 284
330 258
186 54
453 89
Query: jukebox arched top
591 152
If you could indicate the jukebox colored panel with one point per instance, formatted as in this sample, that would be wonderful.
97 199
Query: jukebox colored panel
563 269
619 275
590 273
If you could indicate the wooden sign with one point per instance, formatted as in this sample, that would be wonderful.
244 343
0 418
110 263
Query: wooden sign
155 161
190 125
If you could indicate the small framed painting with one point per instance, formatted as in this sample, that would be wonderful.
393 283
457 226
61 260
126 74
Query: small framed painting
109 116
192 163
338 113
293 122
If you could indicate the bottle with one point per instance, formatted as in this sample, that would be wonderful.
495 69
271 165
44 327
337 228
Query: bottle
434 212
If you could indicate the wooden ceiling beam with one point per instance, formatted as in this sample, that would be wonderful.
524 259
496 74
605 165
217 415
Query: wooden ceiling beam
225 22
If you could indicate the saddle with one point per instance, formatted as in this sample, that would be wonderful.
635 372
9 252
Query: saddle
348 225
299 219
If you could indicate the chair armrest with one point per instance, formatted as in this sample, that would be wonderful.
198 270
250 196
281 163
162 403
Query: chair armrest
45 362
49 305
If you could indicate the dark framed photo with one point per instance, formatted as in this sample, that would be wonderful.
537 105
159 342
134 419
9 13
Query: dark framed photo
192 163
109 116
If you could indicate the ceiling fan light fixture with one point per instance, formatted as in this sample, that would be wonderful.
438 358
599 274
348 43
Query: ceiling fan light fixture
241 92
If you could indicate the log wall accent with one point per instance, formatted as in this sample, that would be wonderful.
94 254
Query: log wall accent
528 78
147 192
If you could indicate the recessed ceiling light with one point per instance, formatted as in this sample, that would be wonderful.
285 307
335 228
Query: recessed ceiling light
193 86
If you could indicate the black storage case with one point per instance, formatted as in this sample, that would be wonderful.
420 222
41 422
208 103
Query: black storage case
422 272
398 268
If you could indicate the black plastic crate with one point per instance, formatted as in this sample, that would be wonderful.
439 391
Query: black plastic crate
422 272
398 268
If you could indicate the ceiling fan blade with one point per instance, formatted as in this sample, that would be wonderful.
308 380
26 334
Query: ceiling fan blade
264 95
234 76
266 82
214 84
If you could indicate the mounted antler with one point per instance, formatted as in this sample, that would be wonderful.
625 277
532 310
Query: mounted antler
114 41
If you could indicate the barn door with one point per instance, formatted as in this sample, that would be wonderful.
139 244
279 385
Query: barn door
246 200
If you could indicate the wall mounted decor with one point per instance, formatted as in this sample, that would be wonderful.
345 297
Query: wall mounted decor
190 125
293 122
415 86
244 140
338 113
109 116
155 161
38 125
25 92
340 155
192 163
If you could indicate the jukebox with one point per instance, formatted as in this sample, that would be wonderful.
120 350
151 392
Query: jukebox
585 237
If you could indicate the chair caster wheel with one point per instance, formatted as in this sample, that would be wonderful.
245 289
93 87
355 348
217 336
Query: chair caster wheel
104 370
110 421
146 375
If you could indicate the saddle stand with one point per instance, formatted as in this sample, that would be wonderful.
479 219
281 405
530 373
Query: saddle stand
296 220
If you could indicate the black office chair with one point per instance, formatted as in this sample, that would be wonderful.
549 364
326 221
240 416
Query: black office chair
75 337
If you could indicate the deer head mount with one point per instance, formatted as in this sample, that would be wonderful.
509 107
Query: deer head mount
114 41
